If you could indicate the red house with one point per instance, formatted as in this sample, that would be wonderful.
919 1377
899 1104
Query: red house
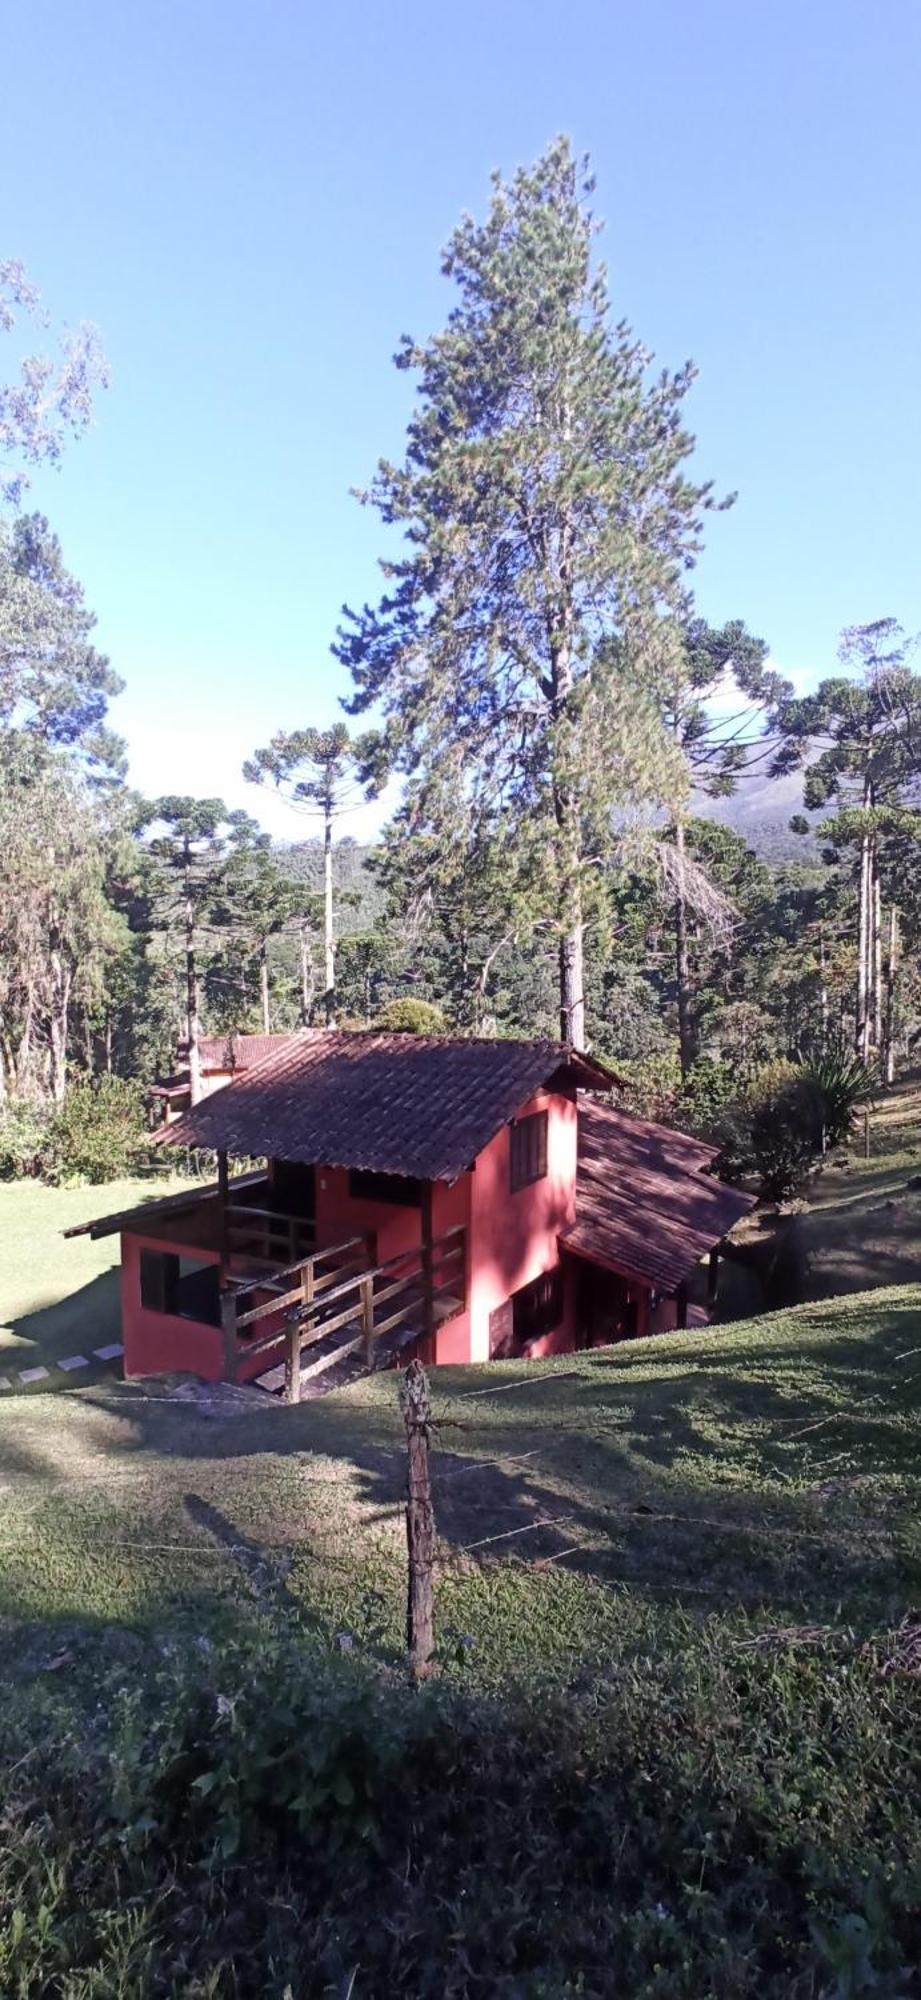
462 1199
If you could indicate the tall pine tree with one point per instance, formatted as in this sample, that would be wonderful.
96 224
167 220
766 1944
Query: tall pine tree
544 507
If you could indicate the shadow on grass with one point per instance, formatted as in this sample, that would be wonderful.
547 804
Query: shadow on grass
88 1318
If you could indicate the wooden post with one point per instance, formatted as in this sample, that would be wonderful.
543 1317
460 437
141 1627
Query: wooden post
367 1318
428 1285
713 1275
229 1332
293 1359
866 1131
223 1196
420 1520
681 1304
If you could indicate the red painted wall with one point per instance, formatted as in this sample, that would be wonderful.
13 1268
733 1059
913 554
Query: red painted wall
511 1239
157 1343
514 1236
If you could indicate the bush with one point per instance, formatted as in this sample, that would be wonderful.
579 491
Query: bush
25 1141
726 1824
99 1133
411 1017
773 1130
845 1083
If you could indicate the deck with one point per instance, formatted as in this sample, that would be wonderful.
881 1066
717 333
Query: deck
334 1312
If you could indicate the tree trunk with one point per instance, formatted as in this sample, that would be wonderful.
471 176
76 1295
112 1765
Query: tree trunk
572 940
192 1000
889 1035
329 939
686 1028
823 991
862 1009
264 987
307 981
877 955
420 1520
57 1027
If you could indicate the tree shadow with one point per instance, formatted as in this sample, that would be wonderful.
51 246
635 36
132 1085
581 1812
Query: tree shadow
84 1320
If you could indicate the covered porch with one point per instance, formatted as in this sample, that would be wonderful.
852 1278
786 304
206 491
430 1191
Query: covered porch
241 1280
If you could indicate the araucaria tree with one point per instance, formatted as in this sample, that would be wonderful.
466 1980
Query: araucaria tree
192 844
858 741
315 770
544 509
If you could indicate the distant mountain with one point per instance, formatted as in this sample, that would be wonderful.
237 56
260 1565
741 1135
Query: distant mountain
760 809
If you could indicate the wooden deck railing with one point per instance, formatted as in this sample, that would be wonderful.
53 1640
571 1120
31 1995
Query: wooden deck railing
262 1235
335 1291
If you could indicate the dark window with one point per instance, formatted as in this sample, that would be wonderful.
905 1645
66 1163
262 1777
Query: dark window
293 1189
180 1286
528 1150
537 1308
395 1188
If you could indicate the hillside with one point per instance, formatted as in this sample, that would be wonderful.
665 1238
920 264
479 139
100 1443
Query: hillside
676 1714
760 809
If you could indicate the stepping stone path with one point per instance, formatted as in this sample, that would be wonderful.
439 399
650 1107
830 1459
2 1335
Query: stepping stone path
68 1363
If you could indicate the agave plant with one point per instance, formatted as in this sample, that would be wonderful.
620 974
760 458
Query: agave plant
845 1083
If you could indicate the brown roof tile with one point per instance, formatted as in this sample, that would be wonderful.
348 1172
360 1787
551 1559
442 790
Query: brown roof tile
646 1204
238 1051
419 1105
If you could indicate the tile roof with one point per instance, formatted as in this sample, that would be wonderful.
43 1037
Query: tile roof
237 1051
646 1204
419 1105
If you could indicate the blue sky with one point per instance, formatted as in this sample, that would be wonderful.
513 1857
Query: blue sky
250 202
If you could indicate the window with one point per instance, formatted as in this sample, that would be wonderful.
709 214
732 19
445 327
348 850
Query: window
537 1308
398 1189
182 1287
528 1150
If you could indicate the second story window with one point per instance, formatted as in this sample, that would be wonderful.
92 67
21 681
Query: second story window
527 1150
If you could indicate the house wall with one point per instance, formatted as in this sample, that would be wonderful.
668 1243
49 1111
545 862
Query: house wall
157 1343
514 1236
511 1239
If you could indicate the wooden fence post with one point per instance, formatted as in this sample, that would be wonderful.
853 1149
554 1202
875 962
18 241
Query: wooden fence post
367 1317
420 1519
229 1332
293 1359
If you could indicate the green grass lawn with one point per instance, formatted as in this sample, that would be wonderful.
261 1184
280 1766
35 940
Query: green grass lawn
59 1298
760 1475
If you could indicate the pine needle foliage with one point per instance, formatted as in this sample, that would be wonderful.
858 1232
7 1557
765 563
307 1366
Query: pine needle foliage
548 525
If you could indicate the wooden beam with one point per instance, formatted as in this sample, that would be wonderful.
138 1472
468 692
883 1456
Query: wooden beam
223 1185
713 1275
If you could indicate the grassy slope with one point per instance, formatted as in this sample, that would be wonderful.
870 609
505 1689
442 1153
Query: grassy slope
863 1224
758 1475
57 1297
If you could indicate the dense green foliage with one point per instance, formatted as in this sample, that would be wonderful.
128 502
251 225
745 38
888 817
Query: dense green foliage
266 1821
98 1133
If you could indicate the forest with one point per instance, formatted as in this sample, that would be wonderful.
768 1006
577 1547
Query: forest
617 823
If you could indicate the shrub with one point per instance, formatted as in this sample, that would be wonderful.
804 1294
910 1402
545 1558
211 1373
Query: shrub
773 1130
845 1083
25 1141
726 1824
411 1017
99 1133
